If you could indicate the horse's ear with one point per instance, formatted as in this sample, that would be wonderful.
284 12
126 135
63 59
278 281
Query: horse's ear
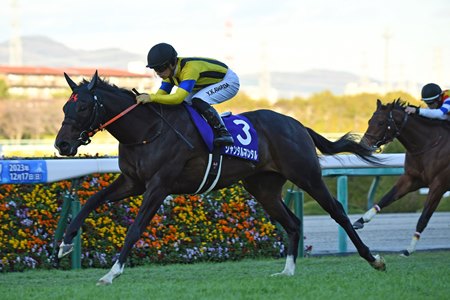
71 83
379 104
93 82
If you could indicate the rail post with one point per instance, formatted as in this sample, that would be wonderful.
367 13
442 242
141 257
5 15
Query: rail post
75 205
372 190
297 196
71 206
62 222
342 194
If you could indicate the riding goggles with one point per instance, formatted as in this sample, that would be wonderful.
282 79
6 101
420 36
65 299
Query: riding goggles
161 68
431 100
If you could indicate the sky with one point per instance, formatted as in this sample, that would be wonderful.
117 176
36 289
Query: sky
284 35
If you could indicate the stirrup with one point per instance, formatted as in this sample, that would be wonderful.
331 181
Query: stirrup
224 140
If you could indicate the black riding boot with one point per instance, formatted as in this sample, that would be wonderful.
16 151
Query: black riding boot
221 135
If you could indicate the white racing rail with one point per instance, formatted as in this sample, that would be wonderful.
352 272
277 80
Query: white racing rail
51 170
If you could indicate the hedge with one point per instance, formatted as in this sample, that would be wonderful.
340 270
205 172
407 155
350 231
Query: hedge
224 225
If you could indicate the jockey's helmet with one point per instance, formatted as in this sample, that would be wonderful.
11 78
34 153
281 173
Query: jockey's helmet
160 55
431 92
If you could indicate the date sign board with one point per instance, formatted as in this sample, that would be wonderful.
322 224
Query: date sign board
23 171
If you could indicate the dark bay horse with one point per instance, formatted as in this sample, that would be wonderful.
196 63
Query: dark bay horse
161 153
427 158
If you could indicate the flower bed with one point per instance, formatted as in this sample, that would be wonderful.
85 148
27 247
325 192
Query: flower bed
222 225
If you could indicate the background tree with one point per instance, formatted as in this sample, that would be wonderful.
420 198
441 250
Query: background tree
30 118
324 112
3 89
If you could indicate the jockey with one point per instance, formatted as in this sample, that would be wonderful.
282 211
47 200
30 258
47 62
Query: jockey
200 82
438 103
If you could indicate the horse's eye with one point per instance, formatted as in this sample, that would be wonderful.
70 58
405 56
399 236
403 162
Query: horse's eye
82 108
381 123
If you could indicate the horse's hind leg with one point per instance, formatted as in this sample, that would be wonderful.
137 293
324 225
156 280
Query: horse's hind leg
318 190
266 188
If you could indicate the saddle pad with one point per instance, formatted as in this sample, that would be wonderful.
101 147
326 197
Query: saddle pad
244 135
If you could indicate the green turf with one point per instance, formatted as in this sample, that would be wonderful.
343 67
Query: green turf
424 275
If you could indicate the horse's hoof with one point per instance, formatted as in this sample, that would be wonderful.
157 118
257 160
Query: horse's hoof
102 282
282 274
64 249
405 253
359 224
379 263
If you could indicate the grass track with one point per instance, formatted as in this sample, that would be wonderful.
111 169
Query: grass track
425 275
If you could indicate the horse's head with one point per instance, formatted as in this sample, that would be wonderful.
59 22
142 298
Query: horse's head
83 114
385 124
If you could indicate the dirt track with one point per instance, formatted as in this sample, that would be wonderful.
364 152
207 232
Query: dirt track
386 232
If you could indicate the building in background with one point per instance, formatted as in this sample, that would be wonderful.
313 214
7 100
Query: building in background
47 82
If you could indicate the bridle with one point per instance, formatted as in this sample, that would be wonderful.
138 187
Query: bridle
392 131
96 124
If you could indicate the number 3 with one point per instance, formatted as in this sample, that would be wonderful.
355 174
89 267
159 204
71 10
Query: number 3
247 139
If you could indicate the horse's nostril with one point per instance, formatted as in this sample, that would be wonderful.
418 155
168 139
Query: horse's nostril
63 147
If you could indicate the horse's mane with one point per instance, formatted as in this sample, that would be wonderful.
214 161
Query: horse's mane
400 104
105 85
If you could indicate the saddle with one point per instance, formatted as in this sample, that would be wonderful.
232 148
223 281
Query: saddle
245 144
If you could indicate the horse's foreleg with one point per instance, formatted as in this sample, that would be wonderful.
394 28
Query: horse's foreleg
433 199
387 199
404 185
115 272
64 249
412 246
371 213
359 224
119 189
148 209
289 267
92 203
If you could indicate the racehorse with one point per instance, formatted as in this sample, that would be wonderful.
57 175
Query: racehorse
427 147
161 153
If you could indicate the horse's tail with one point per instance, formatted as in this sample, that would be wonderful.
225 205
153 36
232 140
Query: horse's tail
346 143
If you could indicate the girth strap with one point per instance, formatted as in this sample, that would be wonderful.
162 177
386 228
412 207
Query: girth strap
212 173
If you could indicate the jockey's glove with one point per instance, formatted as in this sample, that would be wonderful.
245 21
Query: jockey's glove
143 98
